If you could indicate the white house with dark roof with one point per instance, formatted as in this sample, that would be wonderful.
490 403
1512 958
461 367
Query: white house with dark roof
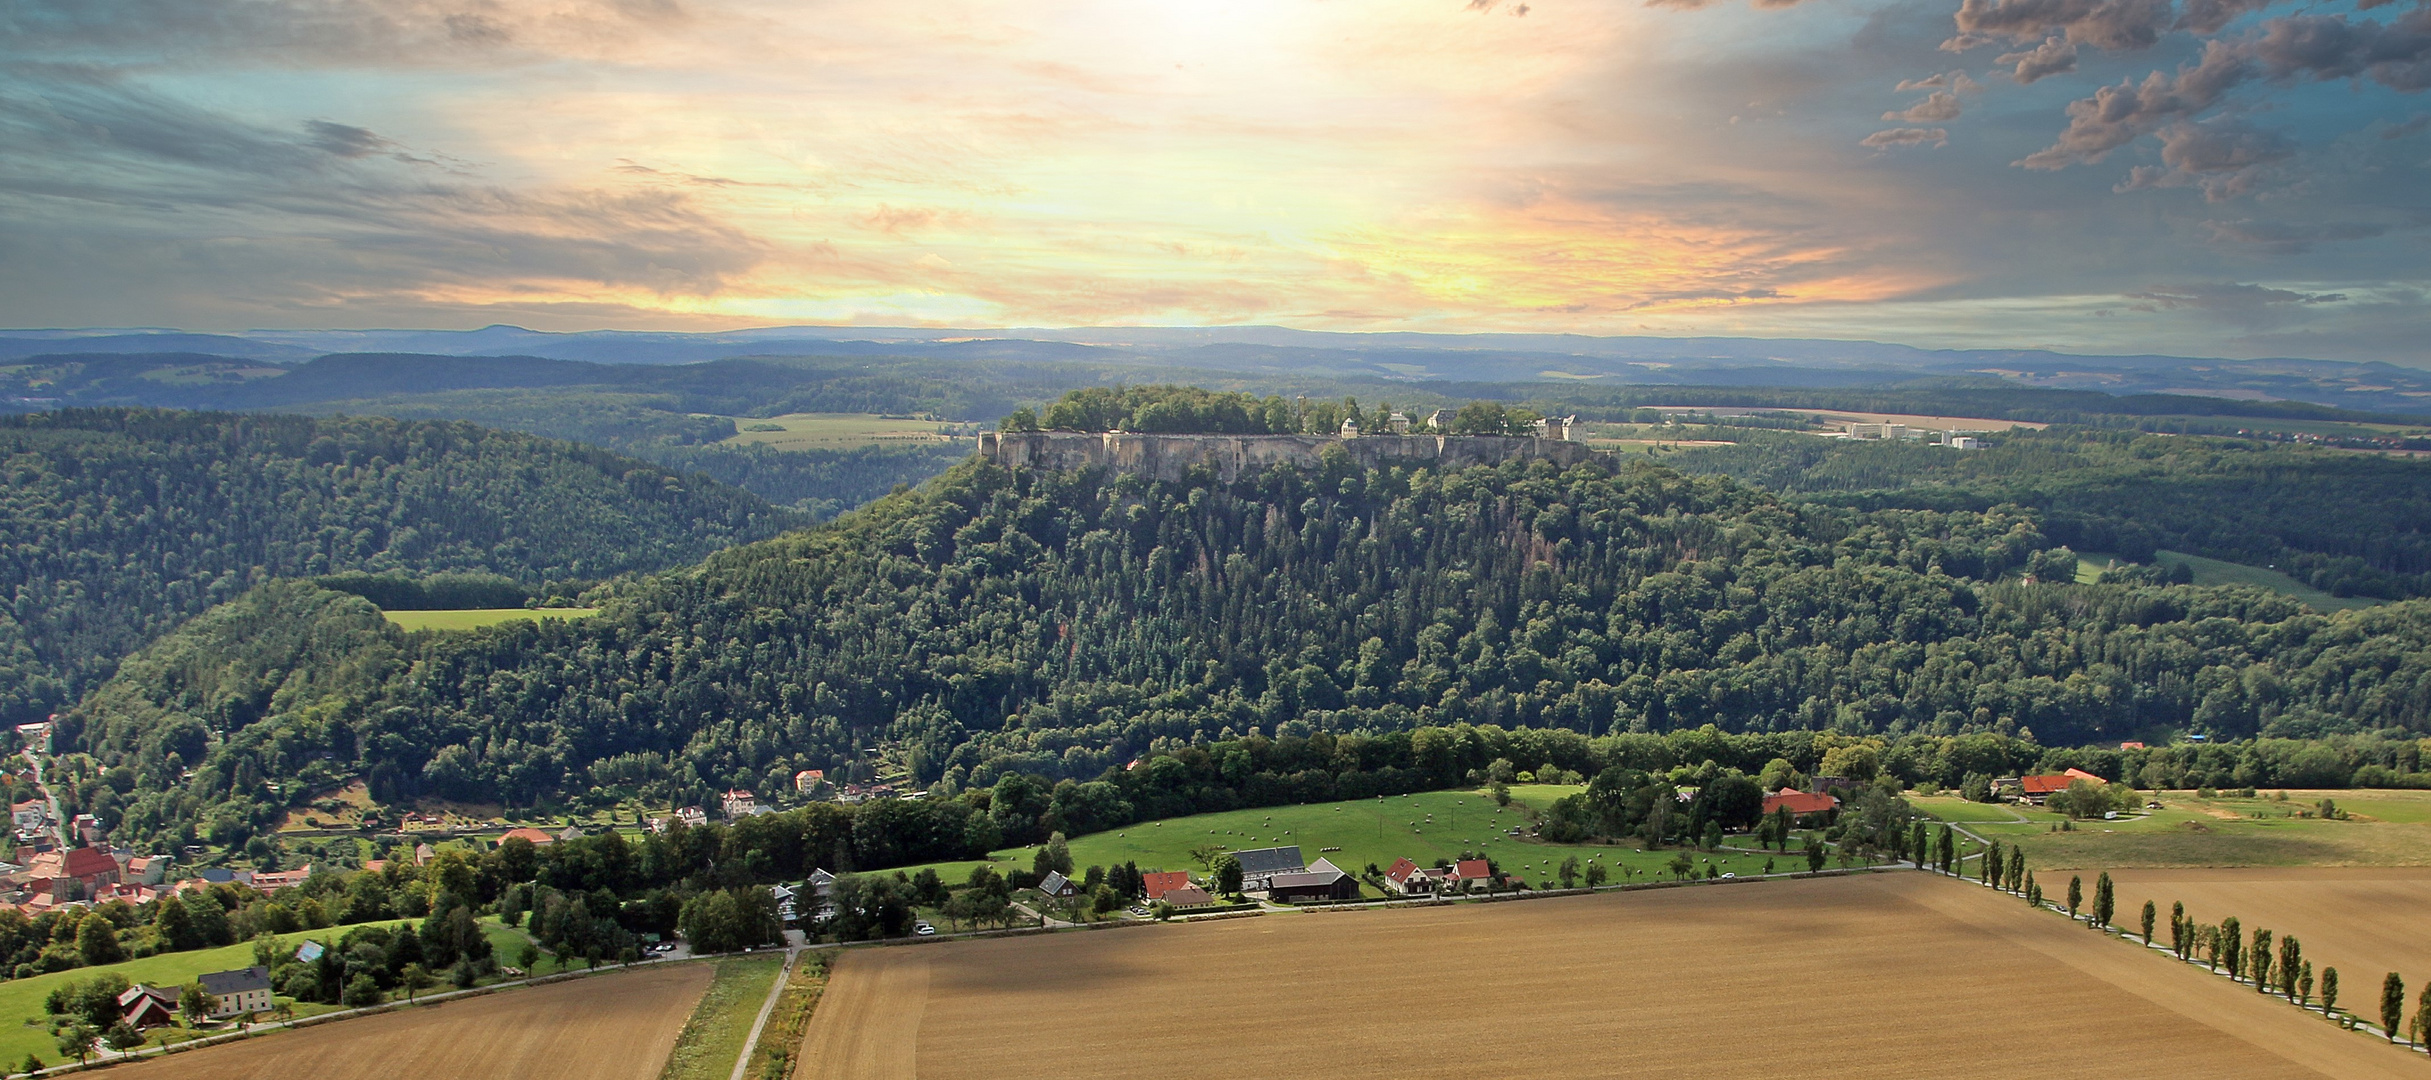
244 990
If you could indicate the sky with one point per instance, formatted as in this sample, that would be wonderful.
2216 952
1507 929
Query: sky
2196 177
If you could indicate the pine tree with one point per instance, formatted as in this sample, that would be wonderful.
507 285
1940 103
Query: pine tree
2034 892
2178 937
2228 950
2076 894
1920 845
2392 1004
2422 1017
1992 864
2151 914
2329 991
2304 985
2017 868
1949 852
2105 901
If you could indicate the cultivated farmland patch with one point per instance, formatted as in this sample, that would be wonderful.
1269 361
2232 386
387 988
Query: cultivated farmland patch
1880 975
611 1027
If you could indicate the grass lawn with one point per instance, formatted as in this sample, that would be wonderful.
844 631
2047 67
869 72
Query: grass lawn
2090 565
844 431
2389 829
25 1028
476 618
506 943
713 1039
1423 827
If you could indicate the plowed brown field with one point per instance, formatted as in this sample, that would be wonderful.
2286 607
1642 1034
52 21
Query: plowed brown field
2365 921
1890 975
613 1027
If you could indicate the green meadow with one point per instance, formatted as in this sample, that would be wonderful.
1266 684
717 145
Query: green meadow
1423 827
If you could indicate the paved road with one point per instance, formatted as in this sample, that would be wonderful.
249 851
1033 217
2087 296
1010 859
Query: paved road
59 822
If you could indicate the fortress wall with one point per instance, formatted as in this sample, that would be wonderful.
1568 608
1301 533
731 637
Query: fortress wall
1170 457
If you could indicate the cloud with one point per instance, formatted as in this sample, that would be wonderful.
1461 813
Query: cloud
115 153
2117 115
2395 54
2409 126
2211 16
2226 160
1951 80
2116 25
1938 106
2292 238
1884 140
2224 296
2055 56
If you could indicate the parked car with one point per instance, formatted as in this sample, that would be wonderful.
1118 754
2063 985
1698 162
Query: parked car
923 929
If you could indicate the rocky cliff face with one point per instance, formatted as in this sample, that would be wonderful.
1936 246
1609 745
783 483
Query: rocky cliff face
1171 457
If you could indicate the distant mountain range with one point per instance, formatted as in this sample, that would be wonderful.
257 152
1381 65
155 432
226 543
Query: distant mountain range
1256 350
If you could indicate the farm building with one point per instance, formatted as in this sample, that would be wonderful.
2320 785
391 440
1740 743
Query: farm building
536 837
1800 803
1323 881
1159 882
1056 884
147 1007
1260 865
1188 896
244 990
2036 789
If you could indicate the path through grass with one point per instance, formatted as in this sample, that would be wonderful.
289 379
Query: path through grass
713 1038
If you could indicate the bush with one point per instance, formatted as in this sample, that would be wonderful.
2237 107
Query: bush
361 993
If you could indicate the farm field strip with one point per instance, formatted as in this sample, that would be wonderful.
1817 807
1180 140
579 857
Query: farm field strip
611 1027
719 1029
1581 987
2365 921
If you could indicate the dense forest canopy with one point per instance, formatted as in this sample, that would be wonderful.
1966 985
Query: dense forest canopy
996 623
2351 524
121 523
1178 410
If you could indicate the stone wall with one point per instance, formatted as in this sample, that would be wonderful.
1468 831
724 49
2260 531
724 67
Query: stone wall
1171 457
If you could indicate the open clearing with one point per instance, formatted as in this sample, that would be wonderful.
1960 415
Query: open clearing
2365 921
844 431
2090 564
604 1028
1898 974
476 618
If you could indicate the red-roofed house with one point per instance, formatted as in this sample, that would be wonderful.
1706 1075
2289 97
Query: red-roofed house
536 837
1468 870
1159 882
147 1007
1405 877
1800 803
271 882
2038 788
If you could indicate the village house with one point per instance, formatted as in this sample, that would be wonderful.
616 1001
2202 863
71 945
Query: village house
1260 865
740 804
244 990
1056 884
1468 872
1410 879
1156 883
536 837
147 869
809 781
272 882
1188 896
147 1006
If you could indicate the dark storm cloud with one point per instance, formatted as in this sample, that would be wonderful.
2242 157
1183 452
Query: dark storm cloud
2224 296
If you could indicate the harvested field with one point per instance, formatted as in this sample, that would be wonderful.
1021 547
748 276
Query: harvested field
1880 975
604 1028
2365 921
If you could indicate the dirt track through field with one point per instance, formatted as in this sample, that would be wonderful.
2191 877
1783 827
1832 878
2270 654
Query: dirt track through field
612 1027
2366 921
1888 975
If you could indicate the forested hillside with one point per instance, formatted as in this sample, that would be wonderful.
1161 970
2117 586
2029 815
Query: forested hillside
2350 524
121 523
1058 624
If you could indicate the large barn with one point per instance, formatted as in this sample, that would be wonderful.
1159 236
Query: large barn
1323 881
1260 865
